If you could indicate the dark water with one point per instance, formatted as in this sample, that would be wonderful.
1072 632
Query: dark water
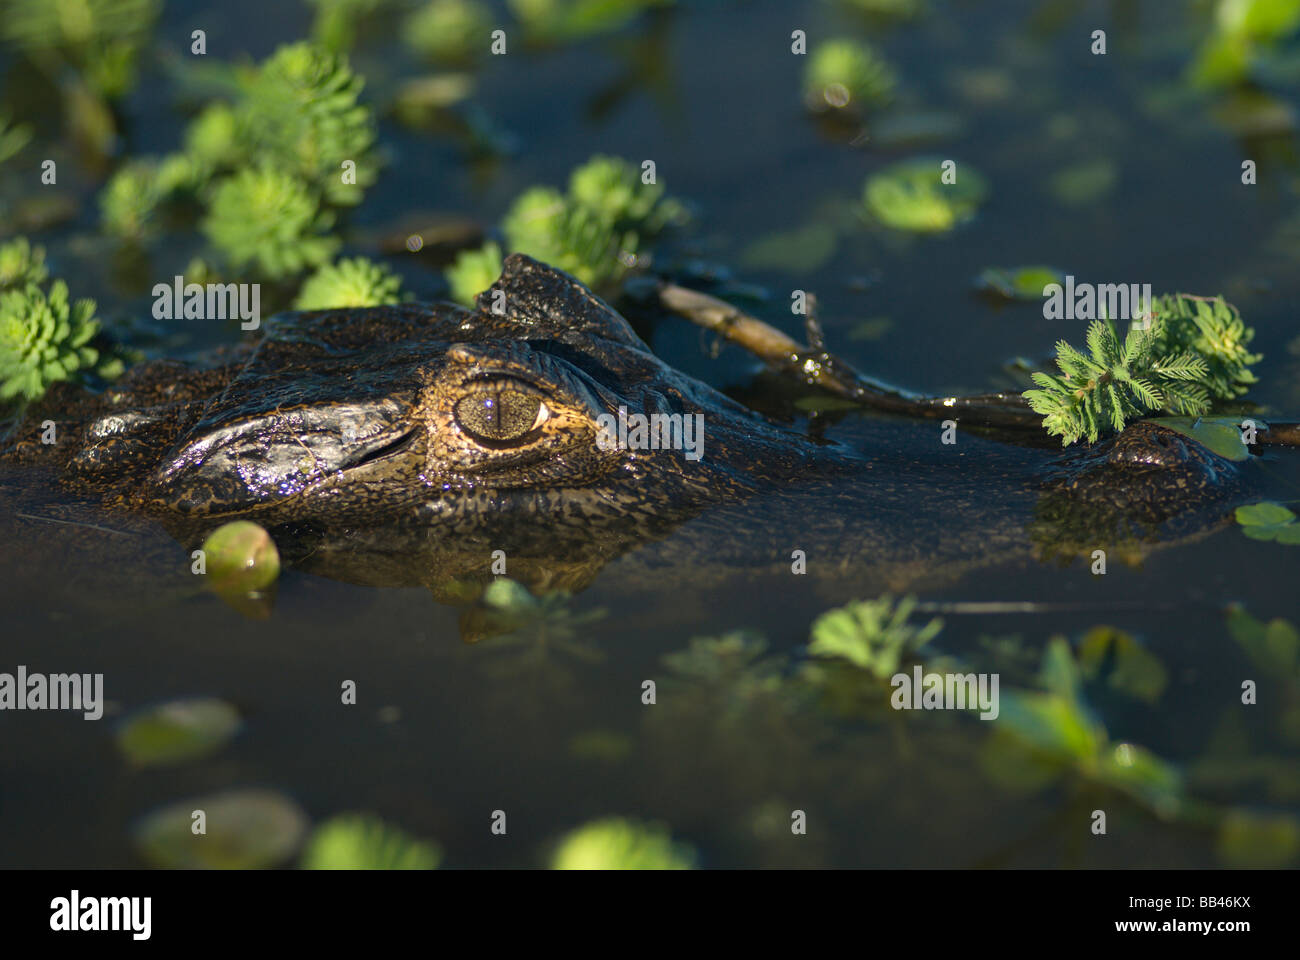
443 733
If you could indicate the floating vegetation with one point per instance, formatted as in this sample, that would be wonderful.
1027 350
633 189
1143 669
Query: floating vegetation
1117 381
236 830
44 338
924 195
1243 34
1018 283
1082 184
594 231
1268 521
177 731
473 272
844 74
363 842
873 635
449 31
267 218
616 843
355 282
241 558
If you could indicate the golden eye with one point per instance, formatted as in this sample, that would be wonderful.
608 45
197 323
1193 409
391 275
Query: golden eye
500 414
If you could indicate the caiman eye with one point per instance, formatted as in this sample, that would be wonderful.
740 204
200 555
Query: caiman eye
500 413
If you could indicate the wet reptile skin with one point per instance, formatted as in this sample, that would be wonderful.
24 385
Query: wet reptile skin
340 430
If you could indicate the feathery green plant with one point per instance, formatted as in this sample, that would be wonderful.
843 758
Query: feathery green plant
43 338
1116 381
300 112
100 39
269 218
280 150
355 282
593 231
1211 328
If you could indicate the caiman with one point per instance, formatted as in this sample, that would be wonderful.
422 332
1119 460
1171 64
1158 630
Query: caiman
404 444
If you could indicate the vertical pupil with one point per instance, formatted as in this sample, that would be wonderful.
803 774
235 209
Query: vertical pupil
491 416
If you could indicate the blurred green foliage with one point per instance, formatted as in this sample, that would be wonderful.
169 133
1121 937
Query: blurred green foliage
594 231
364 842
99 39
449 31
1242 33
271 168
847 74
354 282
911 196
616 843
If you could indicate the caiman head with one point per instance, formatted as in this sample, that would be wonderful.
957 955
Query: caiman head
500 423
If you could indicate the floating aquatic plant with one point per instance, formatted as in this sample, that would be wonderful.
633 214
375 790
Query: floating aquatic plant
874 635
1018 283
1268 521
616 843
473 272
1244 32
846 74
245 829
300 113
177 731
101 39
13 137
363 842
43 339
21 264
334 27
449 30
593 231
269 218
912 195
1116 381
563 20
355 282
241 557
1213 330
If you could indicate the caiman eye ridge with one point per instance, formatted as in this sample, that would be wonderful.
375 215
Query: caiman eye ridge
500 413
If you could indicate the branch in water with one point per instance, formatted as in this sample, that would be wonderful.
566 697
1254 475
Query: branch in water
817 367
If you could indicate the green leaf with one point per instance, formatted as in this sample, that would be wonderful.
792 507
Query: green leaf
1219 434
1018 283
177 731
245 830
1269 521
